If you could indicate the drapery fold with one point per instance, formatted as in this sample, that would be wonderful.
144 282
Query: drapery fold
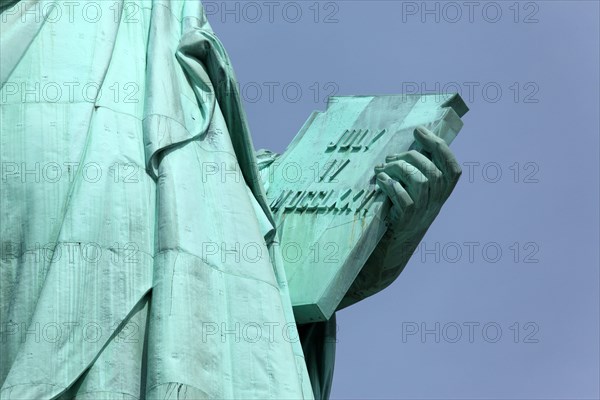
180 239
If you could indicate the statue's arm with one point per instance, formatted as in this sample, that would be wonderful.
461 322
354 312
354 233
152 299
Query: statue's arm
384 265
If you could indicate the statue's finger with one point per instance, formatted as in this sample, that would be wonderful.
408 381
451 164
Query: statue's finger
424 164
413 180
441 154
392 157
394 190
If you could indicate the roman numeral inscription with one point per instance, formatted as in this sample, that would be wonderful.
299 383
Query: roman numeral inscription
356 139
324 200
332 169
358 201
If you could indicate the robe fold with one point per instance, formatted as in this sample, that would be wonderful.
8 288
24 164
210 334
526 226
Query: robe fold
138 255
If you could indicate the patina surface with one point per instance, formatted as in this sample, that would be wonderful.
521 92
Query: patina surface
142 238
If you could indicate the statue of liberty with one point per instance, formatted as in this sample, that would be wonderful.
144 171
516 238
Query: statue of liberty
139 251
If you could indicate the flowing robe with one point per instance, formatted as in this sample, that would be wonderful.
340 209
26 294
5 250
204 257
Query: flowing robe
138 255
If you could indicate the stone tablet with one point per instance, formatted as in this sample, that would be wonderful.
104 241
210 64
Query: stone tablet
325 181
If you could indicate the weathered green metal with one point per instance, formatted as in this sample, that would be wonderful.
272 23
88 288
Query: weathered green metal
139 254
329 209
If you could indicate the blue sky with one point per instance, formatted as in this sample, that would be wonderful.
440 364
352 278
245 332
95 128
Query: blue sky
502 298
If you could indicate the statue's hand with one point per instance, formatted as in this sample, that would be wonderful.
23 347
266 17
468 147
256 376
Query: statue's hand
418 183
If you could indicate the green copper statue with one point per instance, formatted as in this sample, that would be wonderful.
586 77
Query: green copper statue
148 252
